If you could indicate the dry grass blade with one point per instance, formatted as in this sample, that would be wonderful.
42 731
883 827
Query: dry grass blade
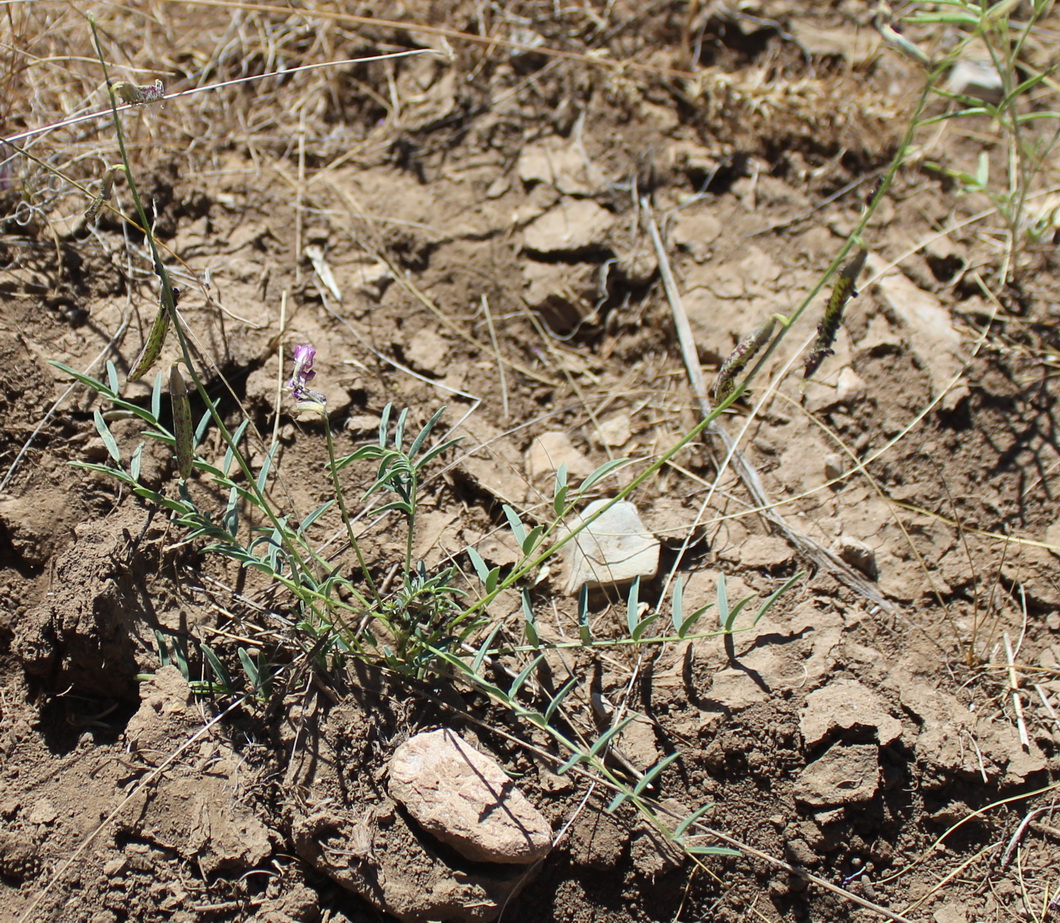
816 552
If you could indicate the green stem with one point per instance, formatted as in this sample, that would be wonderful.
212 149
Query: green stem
346 521
412 519
170 304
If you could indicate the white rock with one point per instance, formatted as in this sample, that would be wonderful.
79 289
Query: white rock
466 800
426 350
977 78
850 387
833 465
613 549
615 431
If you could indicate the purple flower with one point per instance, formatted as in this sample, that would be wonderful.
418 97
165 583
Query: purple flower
303 372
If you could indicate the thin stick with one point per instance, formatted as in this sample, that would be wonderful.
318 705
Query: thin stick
734 457
279 366
1048 705
1014 687
1006 856
497 351
298 195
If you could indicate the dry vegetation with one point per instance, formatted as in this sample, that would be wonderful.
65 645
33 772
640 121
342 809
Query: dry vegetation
557 222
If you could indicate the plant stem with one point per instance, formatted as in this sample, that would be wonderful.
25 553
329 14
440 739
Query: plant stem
346 521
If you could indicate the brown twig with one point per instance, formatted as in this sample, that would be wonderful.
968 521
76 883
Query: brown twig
746 472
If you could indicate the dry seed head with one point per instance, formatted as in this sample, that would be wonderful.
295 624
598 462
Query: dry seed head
745 351
828 329
138 95
110 176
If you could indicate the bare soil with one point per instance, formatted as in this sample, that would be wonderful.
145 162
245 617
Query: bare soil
482 213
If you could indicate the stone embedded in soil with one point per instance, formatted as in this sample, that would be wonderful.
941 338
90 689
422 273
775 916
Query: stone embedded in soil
426 351
615 431
776 654
614 549
1052 538
19 859
380 857
596 841
42 812
856 553
947 731
466 800
563 293
978 78
1033 569
573 226
695 231
950 913
29 524
492 462
165 710
561 164
846 705
200 820
844 775
765 552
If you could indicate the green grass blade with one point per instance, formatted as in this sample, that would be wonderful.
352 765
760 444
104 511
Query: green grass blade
677 604
602 472
724 616
517 683
776 594
691 819
557 700
219 670
484 649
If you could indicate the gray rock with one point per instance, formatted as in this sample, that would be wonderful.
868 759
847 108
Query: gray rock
466 800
